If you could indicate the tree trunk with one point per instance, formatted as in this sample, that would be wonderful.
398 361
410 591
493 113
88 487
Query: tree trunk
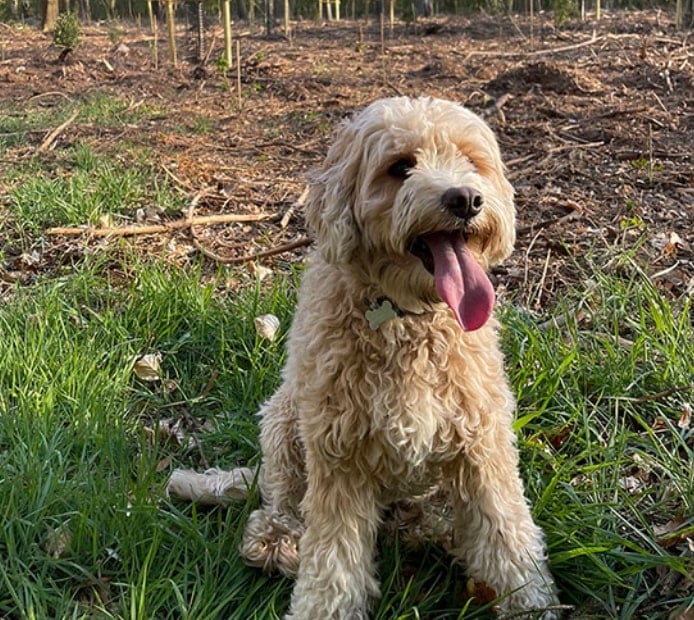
269 16
50 15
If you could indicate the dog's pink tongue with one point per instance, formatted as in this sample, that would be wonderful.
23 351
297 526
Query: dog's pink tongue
460 280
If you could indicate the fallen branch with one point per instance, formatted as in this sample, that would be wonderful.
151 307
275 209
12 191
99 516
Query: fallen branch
659 395
237 260
48 140
299 203
574 214
129 231
542 52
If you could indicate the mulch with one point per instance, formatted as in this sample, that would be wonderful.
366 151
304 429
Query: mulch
595 121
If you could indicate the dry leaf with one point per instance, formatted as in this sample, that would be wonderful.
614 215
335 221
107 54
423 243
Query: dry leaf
669 243
480 591
686 417
173 429
259 271
164 464
266 326
631 484
148 367
58 540
106 221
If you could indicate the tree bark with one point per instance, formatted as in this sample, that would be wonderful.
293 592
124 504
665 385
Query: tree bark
50 15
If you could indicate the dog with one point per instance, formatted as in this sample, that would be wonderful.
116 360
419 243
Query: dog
394 386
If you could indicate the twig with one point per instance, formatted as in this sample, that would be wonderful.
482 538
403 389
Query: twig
206 59
572 215
541 283
129 231
180 184
658 395
574 145
48 140
527 612
299 203
555 50
236 260
50 93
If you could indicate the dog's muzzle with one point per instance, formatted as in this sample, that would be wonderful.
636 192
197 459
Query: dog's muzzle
464 202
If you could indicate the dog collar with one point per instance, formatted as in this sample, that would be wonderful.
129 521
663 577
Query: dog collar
382 310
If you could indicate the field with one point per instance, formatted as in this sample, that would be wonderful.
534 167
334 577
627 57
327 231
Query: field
156 210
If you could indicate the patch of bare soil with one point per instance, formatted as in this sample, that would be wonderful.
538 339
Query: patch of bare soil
595 121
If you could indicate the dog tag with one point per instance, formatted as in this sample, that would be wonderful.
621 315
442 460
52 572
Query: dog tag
380 314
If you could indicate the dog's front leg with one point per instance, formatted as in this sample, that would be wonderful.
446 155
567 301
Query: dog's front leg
336 568
272 534
495 535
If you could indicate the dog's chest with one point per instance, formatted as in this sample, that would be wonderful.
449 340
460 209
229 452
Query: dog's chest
418 407
399 402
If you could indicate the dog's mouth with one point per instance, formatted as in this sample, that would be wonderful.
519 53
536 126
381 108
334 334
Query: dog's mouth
460 280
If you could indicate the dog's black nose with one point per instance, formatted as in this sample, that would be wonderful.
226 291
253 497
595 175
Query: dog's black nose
464 202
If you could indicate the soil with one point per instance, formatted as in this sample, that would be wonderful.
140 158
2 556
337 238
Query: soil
595 121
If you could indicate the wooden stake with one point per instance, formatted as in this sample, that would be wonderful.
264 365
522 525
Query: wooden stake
153 28
383 34
227 34
238 72
171 28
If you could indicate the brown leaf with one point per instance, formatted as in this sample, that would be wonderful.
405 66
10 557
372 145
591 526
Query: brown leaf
58 540
148 367
165 463
480 591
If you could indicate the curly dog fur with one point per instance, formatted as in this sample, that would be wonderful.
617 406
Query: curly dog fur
409 209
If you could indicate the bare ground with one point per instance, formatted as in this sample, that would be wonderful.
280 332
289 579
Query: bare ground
595 121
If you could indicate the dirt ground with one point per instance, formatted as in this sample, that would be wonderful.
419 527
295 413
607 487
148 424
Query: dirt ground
595 122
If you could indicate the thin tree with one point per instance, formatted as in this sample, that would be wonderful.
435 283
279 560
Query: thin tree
287 25
51 11
171 30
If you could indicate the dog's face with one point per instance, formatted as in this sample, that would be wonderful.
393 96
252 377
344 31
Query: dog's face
412 196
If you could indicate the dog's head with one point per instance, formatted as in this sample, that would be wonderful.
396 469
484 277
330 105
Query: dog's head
412 195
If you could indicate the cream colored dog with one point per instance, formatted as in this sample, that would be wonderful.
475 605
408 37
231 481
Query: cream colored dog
394 385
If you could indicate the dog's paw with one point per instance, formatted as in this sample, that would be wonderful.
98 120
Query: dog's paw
536 603
271 542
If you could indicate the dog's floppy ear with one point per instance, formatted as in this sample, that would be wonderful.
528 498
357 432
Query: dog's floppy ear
329 209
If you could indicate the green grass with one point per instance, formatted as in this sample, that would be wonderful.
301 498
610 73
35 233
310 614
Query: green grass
82 182
37 116
84 189
85 528
75 456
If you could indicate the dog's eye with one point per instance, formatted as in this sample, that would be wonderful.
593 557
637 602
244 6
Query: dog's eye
401 168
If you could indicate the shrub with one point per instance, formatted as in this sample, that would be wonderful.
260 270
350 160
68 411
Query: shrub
67 31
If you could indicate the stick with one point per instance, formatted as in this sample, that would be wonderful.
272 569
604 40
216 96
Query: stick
658 395
129 231
299 203
238 73
556 50
236 260
48 140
